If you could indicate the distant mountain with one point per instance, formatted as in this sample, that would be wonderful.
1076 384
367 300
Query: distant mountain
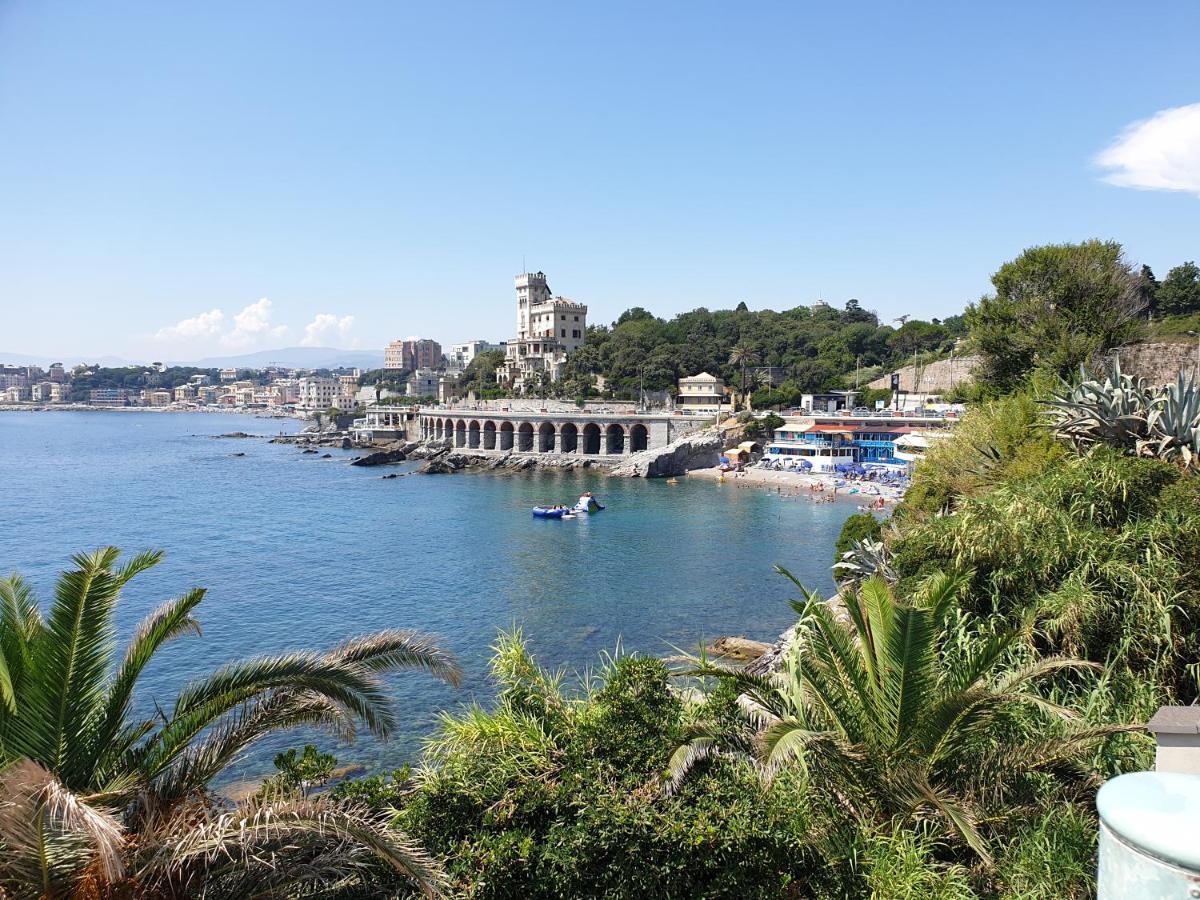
293 358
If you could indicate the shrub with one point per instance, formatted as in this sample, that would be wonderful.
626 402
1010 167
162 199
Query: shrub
858 527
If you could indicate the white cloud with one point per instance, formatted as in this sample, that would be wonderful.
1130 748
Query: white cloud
1161 153
253 326
327 330
204 325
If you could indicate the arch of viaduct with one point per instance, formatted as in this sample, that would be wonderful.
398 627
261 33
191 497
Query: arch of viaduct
584 434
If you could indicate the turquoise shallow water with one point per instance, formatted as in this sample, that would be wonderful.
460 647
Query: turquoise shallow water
299 551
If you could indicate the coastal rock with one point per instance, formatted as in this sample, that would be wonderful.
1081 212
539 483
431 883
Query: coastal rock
428 449
770 661
694 451
381 458
234 434
310 450
739 649
446 462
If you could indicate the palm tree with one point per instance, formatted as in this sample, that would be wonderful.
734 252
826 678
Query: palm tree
98 794
742 356
900 709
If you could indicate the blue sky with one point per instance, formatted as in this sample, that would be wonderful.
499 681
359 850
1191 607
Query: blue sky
379 170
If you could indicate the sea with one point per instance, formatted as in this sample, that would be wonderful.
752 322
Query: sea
304 550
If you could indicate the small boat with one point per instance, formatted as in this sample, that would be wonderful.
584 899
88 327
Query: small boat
547 512
672 481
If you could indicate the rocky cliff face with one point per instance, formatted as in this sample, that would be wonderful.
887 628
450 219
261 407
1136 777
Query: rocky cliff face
695 451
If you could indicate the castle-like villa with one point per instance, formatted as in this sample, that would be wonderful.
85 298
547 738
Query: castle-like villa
548 328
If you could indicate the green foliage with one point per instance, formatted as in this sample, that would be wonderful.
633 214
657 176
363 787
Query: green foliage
901 863
1052 857
815 346
858 527
1179 293
907 711
1099 548
554 793
138 786
996 442
1054 309
762 429
299 771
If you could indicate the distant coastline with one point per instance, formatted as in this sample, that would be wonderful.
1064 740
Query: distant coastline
84 407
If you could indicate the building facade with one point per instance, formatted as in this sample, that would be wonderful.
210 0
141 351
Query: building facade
422 383
461 355
701 395
412 354
548 328
317 392
827 441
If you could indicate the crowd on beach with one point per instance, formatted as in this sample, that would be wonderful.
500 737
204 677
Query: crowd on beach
815 487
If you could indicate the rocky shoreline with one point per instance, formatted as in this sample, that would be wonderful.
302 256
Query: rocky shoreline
694 451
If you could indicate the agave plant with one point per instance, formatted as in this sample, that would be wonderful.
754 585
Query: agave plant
100 793
865 559
1175 423
1114 411
1123 412
900 711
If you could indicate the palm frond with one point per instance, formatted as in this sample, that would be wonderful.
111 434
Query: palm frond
399 649
49 834
169 621
253 841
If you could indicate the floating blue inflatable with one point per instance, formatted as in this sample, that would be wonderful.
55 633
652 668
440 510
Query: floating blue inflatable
545 512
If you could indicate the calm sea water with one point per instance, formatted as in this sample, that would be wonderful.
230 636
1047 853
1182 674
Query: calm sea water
297 551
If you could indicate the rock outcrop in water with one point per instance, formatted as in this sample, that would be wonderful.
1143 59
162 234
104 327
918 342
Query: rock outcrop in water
694 451
447 462
396 454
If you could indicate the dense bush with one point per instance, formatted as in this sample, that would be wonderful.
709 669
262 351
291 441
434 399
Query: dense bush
556 793
858 527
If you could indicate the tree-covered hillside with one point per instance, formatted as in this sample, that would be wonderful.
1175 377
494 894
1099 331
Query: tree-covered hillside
811 347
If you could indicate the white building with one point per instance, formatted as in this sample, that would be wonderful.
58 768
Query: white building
317 392
422 383
462 354
701 395
229 374
348 391
548 328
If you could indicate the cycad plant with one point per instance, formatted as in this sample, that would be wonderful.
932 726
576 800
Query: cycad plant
102 795
898 710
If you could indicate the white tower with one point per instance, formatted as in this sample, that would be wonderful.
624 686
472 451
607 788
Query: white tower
532 290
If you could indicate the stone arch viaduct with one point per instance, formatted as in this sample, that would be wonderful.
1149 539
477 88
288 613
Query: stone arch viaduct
585 433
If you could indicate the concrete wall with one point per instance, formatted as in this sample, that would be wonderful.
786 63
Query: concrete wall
934 378
1159 362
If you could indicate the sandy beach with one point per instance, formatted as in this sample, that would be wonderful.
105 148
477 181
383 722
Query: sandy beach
797 484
